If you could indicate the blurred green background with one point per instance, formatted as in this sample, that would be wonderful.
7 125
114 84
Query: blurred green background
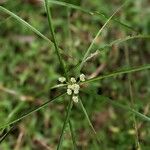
29 67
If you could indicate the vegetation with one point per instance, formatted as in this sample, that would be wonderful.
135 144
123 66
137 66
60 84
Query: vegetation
43 41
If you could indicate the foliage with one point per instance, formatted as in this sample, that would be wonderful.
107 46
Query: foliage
113 53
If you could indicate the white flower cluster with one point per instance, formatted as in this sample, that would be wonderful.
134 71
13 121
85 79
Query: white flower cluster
73 87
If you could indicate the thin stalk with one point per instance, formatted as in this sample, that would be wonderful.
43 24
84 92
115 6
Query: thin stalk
68 29
89 121
132 100
54 38
15 111
26 24
125 39
97 35
125 71
115 42
68 111
72 135
92 13
69 45
6 134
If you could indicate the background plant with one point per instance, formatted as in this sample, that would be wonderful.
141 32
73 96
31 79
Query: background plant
30 73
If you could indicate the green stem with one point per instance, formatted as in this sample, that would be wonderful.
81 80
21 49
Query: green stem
25 24
92 13
54 38
72 135
68 110
97 35
89 121
125 71
132 100
6 134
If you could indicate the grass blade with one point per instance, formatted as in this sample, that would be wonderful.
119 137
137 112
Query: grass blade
20 20
93 13
125 71
118 41
54 38
6 134
68 110
29 112
99 32
25 23
137 143
89 121
72 135
15 110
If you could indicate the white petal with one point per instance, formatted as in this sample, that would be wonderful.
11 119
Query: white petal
75 99
62 79
73 80
76 87
82 77
69 86
69 92
76 91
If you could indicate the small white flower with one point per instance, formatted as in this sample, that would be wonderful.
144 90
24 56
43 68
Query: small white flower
76 91
69 92
76 87
69 86
82 77
73 80
75 99
62 79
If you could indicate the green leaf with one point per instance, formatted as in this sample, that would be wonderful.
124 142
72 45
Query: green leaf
121 40
6 134
73 135
97 35
92 13
54 38
124 71
68 111
25 23
116 42
20 20
89 121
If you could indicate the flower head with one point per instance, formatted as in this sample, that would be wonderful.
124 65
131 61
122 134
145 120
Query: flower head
62 79
70 86
76 91
75 99
76 86
73 80
69 92
73 86
82 77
